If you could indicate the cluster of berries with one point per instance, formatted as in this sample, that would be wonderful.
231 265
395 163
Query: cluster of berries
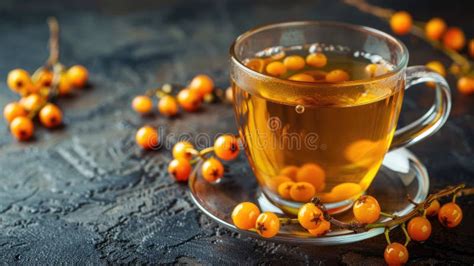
315 219
35 92
452 39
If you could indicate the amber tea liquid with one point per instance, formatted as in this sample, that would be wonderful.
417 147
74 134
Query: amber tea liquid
332 139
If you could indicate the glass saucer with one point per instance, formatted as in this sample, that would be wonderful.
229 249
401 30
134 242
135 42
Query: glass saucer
401 175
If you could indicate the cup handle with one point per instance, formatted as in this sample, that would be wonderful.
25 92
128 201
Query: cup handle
436 116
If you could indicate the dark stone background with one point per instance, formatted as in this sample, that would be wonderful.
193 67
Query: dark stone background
87 194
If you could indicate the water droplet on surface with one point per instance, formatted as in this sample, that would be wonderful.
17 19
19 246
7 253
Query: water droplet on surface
299 109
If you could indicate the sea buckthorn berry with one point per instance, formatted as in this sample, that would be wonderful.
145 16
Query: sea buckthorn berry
310 216
313 174
337 75
64 86
290 171
276 69
302 192
274 182
142 104
342 192
229 94
419 228
189 100
470 48
13 110
18 80
202 85
322 229
226 147
147 138
466 85
212 170
435 28
245 215
22 128
43 78
302 77
374 70
256 64
294 62
50 116
401 22
437 66
366 209
395 254
433 209
32 102
181 150
454 38
77 76
450 215
285 188
168 106
267 224
180 169
316 60
278 56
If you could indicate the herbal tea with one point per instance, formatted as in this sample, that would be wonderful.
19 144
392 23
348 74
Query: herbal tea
326 139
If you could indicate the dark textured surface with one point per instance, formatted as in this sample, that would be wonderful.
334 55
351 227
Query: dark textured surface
87 194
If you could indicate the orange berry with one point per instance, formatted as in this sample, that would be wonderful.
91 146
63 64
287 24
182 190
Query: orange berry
366 209
189 100
256 64
212 170
450 215
226 147
147 138
285 188
316 60
433 209
229 94
43 78
274 182
313 174
435 28
470 48
245 215
294 62
50 116
401 22
276 69
142 104
419 228
466 85
342 192
290 171
374 70
395 254
32 102
337 75
322 229
181 150
19 80
454 38
22 128
437 66
302 192
77 76
64 86
267 224
310 216
180 169
202 85
302 77
168 106
13 110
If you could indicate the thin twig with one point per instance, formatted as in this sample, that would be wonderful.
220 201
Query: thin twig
53 42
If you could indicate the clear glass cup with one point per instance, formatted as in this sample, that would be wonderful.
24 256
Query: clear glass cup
263 105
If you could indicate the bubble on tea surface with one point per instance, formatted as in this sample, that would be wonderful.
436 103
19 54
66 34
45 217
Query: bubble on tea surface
299 109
